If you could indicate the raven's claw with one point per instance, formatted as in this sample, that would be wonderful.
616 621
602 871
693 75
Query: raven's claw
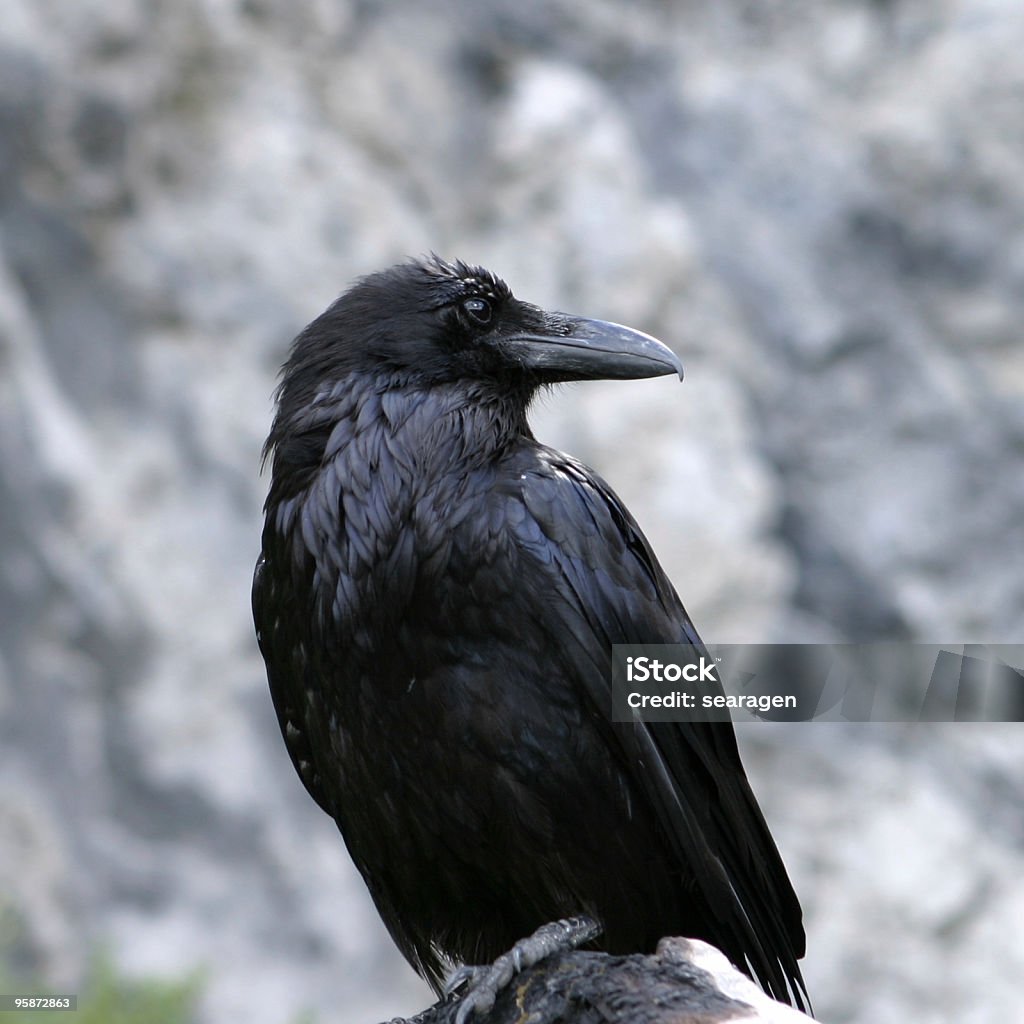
484 983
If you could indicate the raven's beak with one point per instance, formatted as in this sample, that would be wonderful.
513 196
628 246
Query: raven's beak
571 348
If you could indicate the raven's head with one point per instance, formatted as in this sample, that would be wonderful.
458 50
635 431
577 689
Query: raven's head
430 322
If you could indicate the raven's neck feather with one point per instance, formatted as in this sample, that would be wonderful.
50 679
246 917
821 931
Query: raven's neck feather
363 470
451 428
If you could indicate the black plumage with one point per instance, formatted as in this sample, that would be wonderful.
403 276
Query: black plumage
436 601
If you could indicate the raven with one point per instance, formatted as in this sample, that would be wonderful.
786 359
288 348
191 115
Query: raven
436 601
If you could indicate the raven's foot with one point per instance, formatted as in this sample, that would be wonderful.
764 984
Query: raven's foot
484 983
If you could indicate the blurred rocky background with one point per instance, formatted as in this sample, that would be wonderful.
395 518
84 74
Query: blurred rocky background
820 205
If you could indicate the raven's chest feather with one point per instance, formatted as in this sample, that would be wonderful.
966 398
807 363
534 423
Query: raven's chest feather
425 616
409 500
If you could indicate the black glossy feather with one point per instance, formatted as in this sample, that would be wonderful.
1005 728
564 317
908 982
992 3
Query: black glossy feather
436 602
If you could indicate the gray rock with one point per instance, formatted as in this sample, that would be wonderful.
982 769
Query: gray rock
683 980
819 206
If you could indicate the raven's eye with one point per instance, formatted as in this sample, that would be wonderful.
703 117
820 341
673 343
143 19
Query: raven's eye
478 310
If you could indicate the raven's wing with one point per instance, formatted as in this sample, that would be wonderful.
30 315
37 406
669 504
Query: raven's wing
606 588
